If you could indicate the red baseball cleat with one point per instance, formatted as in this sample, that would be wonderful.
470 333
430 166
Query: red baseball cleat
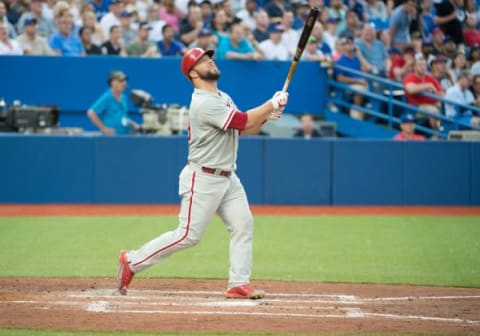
125 274
244 292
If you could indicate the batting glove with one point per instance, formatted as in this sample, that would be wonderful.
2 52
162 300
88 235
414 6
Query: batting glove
279 100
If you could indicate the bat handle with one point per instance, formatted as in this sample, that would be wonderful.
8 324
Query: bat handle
285 85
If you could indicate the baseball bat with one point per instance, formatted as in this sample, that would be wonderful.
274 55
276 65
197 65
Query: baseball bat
302 42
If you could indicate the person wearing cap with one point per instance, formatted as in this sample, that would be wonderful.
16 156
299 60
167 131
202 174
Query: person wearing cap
449 47
128 32
30 42
169 46
460 93
420 81
112 18
142 46
330 32
438 69
399 27
407 126
205 40
312 52
237 46
349 59
273 49
109 112
45 28
208 183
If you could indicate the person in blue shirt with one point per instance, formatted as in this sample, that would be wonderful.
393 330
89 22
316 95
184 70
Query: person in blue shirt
109 112
66 42
169 46
237 46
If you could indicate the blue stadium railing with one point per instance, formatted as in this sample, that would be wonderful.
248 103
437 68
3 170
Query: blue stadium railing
385 105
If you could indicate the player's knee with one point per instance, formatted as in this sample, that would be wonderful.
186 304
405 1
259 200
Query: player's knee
192 240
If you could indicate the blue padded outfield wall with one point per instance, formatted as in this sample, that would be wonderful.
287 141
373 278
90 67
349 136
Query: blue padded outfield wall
144 169
73 83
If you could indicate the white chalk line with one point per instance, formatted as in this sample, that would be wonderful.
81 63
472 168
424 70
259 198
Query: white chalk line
281 300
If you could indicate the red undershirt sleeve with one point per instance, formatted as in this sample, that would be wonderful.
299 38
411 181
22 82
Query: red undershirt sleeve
238 121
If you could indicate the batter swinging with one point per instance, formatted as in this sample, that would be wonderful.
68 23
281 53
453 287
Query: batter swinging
208 183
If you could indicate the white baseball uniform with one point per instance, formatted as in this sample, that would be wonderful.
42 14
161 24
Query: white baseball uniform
208 185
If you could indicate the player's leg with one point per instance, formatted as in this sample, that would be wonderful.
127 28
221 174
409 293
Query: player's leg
235 212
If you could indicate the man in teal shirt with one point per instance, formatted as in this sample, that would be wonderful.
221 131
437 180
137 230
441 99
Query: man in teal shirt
109 112
237 46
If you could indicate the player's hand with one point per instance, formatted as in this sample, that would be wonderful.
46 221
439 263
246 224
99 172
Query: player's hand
279 100
276 114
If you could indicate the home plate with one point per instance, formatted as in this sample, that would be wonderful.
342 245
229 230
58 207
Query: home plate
229 303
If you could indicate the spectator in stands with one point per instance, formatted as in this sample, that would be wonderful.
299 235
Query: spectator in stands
351 24
427 19
476 88
171 14
45 27
112 18
276 8
407 125
449 17
420 81
474 59
449 48
109 112
206 8
349 59
438 38
30 42
11 32
261 26
338 10
220 25
461 94
402 64
438 69
470 33
236 46
142 46
289 36
330 33
459 64
90 20
8 46
100 7
65 42
273 48
375 10
128 33
156 23
205 40
114 46
169 46
312 52
427 47
400 21
226 5
307 127
90 48
247 14
319 35
190 28
373 52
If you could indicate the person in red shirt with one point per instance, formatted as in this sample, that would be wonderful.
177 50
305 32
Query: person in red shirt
470 33
402 64
407 126
420 81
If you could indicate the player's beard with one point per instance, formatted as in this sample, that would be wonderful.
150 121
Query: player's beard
210 75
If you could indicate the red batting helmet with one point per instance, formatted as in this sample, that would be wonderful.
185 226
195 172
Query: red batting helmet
191 57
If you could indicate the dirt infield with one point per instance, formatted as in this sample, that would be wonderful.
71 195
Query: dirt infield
189 306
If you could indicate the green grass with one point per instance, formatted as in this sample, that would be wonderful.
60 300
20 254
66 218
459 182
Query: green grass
381 249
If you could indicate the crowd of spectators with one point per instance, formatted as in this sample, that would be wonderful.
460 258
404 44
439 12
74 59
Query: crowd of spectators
418 43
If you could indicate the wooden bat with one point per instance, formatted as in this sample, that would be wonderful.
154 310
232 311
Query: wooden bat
302 42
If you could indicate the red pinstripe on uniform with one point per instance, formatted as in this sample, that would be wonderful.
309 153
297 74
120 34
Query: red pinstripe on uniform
186 231
229 119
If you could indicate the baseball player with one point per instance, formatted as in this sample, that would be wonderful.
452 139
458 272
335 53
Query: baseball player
208 183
